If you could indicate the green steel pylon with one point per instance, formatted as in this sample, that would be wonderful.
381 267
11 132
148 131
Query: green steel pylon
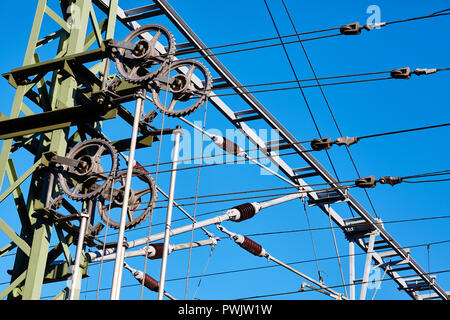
64 102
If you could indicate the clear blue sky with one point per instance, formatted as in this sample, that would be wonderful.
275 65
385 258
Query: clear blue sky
360 109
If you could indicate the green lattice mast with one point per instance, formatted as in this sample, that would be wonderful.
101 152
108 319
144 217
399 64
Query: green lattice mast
62 104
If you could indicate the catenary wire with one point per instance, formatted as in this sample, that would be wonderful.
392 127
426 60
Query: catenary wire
203 50
224 87
195 204
284 145
297 143
156 176
334 187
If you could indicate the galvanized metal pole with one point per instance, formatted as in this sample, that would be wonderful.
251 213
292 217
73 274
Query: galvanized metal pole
177 132
118 267
351 262
76 284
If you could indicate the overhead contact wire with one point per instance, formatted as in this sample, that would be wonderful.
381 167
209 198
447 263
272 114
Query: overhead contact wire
189 51
289 144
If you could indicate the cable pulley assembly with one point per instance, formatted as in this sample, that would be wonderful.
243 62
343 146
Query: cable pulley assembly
87 169
182 88
142 199
137 59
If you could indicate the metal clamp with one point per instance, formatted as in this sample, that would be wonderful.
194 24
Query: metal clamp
321 144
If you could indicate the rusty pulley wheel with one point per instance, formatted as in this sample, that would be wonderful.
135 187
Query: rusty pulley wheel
182 89
97 164
143 60
142 199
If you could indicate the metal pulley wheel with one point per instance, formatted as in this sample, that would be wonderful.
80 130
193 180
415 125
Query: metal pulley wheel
96 162
139 60
182 89
142 199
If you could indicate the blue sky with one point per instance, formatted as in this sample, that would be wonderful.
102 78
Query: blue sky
360 109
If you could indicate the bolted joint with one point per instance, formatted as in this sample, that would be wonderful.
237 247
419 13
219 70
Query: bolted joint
178 130
47 158
84 214
149 117
113 84
139 95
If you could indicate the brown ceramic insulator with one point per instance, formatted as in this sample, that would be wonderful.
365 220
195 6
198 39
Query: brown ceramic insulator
252 246
151 283
246 210
158 250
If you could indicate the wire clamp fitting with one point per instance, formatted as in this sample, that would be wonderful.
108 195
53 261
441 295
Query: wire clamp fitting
355 28
402 73
366 182
321 144
351 29
370 182
348 141
390 180
423 71
377 25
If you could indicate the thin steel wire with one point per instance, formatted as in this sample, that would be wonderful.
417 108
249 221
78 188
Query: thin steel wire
195 202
